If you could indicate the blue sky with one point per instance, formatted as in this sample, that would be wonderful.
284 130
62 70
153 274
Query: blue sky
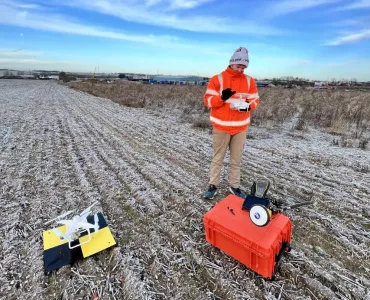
315 39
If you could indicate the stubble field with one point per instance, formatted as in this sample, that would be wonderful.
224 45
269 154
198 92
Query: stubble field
62 149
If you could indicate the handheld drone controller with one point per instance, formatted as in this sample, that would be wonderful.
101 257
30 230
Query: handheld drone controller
241 105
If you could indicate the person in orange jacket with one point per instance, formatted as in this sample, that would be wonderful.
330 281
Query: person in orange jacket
231 96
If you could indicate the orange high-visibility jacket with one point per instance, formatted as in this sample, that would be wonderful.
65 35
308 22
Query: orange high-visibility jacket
222 117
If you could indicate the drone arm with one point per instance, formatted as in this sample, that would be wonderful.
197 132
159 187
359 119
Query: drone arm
62 235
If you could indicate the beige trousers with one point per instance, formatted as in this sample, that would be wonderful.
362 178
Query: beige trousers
222 141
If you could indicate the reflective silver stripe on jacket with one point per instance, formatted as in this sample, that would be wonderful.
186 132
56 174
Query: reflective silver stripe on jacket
221 81
253 96
212 92
230 123
209 99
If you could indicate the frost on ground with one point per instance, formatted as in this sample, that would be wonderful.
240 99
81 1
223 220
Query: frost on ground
61 149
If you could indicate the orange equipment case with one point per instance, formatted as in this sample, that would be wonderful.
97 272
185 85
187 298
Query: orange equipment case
229 228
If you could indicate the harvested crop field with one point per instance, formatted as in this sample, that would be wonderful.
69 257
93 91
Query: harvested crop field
62 149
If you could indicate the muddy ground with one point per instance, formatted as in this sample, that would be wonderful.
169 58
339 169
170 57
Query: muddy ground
61 149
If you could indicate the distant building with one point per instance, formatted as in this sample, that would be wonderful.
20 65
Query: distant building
141 77
179 80
25 76
7 72
56 77
262 83
321 85
135 77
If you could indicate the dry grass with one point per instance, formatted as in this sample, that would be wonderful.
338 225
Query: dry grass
338 111
135 94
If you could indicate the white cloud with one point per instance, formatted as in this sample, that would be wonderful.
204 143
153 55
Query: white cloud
347 63
290 6
27 6
25 57
55 23
19 52
187 4
356 5
347 23
158 14
176 4
151 3
20 5
350 38
355 22
283 60
31 61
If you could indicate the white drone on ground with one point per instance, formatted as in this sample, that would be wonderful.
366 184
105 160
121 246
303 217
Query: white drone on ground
76 226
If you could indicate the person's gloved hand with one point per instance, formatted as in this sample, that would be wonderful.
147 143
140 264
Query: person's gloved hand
227 93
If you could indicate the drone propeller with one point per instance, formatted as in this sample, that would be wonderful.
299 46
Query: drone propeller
59 217
82 224
76 224
62 235
87 210
66 222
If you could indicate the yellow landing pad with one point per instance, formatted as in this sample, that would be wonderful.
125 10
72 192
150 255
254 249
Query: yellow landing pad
100 240
51 240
